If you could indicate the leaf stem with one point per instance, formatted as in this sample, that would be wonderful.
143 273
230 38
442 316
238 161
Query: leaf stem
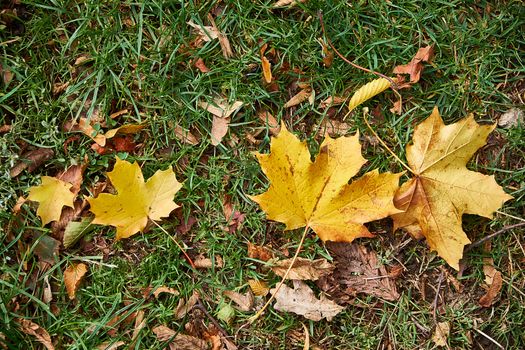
176 243
384 144
510 216
259 313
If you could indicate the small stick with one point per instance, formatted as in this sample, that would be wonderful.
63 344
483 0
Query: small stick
437 296
492 235
394 84
259 313
385 146
489 338
212 319
177 243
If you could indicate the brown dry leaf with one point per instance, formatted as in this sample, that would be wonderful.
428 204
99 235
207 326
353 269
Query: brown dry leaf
185 136
118 113
199 63
443 189
164 289
140 323
108 345
226 48
185 306
206 33
84 58
221 111
202 262
31 160
303 269
332 101
333 128
302 301
244 301
300 97
259 252
73 275
415 66
269 121
282 3
512 118
58 88
5 128
441 333
492 293
397 108
259 288
48 293
41 335
85 126
328 55
357 270
179 341
73 175
7 75
267 69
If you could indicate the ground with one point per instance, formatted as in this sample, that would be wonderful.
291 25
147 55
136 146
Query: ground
63 60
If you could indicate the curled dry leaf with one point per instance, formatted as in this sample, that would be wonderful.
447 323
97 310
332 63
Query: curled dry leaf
185 306
415 66
136 201
492 293
199 63
511 118
221 111
332 101
282 3
269 121
301 96
267 69
441 333
73 275
244 301
259 252
164 289
202 262
367 91
41 335
259 288
303 269
333 128
31 160
330 206
302 301
108 345
178 341
185 136
52 195
207 33
443 189
357 270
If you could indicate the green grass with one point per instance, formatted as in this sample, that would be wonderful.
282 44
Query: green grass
138 59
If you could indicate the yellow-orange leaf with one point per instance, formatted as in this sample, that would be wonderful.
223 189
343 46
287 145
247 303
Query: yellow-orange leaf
317 194
367 91
72 277
136 200
443 189
52 194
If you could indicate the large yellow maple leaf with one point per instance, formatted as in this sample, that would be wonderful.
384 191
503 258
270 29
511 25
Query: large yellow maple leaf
52 195
443 189
136 200
317 194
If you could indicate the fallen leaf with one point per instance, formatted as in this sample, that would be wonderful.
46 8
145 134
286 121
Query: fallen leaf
75 230
59 88
244 301
259 288
415 66
282 3
184 306
303 269
73 275
512 118
270 122
117 114
179 341
226 313
443 189
52 195
48 293
300 97
333 128
332 101
488 299
328 55
207 33
259 252
302 301
202 262
267 69
221 111
41 335
136 201
367 91
140 323
108 345
47 249
126 129
5 128
164 289
31 160
357 270
73 175
227 51
85 126
200 65
306 338
441 333
397 108
331 207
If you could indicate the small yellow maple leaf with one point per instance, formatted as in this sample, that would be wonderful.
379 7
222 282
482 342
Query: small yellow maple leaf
443 189
136 200
52 195
317 194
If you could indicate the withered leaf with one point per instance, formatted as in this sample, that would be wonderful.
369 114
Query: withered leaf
73 275
303 269
31 160
41 335
244 301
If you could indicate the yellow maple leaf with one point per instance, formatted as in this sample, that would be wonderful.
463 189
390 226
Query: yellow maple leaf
317 194
52 195
443 189
136 200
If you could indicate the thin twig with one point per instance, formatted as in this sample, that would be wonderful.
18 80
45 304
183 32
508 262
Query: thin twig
492 235
384 144
510 216
392 81
489 338
259 313
177 243
212 319
434 304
